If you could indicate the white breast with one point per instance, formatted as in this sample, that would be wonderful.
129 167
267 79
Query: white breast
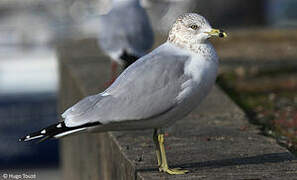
202 68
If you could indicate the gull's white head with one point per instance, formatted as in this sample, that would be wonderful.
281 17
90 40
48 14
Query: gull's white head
190 29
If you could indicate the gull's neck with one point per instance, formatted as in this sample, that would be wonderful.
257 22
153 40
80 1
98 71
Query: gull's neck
204 48
191 45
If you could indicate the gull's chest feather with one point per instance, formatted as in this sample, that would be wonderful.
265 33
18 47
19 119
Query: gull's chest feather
202 74
201 68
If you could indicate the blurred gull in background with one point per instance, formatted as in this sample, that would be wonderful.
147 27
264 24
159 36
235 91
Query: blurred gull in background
125 33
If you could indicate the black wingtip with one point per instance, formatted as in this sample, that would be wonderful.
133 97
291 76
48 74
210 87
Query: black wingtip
30 137
52 131
44 133
23 139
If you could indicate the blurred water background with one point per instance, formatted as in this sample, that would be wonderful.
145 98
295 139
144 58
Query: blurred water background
29 33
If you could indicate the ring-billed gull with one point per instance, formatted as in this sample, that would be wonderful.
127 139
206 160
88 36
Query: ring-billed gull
154 92
125 33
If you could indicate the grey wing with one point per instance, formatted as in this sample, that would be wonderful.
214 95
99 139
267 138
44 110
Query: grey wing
145 89
82 106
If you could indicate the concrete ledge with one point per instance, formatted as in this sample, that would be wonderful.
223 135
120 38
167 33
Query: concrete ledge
213 142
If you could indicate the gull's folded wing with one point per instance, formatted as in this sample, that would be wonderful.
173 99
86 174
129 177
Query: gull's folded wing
147 88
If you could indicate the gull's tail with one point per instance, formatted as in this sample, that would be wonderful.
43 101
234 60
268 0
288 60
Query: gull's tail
57 130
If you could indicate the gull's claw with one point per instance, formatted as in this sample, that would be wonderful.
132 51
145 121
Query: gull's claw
173 171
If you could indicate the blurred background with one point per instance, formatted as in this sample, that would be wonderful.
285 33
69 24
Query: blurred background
259 63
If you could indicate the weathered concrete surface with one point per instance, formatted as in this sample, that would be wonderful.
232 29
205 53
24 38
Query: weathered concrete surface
213 142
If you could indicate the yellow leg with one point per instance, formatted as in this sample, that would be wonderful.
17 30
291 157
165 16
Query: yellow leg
164 166
155 138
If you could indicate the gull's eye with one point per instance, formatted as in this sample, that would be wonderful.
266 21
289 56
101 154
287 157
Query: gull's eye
194 26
